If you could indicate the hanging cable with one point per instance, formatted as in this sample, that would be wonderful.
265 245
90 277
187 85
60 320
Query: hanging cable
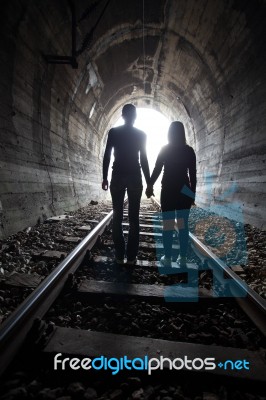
143 45
87 41
43 155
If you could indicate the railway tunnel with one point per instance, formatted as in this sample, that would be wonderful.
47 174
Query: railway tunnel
67 68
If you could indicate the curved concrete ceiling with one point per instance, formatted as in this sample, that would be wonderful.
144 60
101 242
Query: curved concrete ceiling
199 61
179 57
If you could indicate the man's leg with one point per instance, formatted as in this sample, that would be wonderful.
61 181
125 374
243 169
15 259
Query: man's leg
134 191
118 194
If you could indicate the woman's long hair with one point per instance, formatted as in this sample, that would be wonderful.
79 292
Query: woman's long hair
176 134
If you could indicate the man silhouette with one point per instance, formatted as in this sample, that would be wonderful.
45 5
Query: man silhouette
129 146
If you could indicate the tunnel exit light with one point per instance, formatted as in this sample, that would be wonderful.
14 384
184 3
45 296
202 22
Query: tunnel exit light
155 125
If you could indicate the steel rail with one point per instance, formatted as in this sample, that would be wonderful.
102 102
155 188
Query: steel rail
15 328
250 301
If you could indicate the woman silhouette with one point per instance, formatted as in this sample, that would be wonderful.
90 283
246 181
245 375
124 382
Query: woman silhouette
178 189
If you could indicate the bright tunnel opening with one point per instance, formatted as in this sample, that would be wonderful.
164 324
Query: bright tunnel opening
156 126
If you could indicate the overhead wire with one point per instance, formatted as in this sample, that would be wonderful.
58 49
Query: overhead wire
43 155
88 40
143 46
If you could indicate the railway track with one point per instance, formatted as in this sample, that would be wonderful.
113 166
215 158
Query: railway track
250 302
140 311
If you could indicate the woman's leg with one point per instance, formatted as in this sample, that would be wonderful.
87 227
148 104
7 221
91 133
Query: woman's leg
168 215
168 229
182 224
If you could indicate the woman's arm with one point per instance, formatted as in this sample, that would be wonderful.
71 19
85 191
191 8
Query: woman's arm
156 172
158 168
192 171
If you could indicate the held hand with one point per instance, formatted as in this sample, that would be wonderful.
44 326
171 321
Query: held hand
105 184
193 204
149 191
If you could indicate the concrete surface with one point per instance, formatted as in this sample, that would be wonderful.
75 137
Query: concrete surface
204 64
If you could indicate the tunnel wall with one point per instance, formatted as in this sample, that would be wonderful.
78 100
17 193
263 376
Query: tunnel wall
230 128
49 152
205 65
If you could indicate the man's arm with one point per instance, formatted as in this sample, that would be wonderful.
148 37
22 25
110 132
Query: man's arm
106 159
144 160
